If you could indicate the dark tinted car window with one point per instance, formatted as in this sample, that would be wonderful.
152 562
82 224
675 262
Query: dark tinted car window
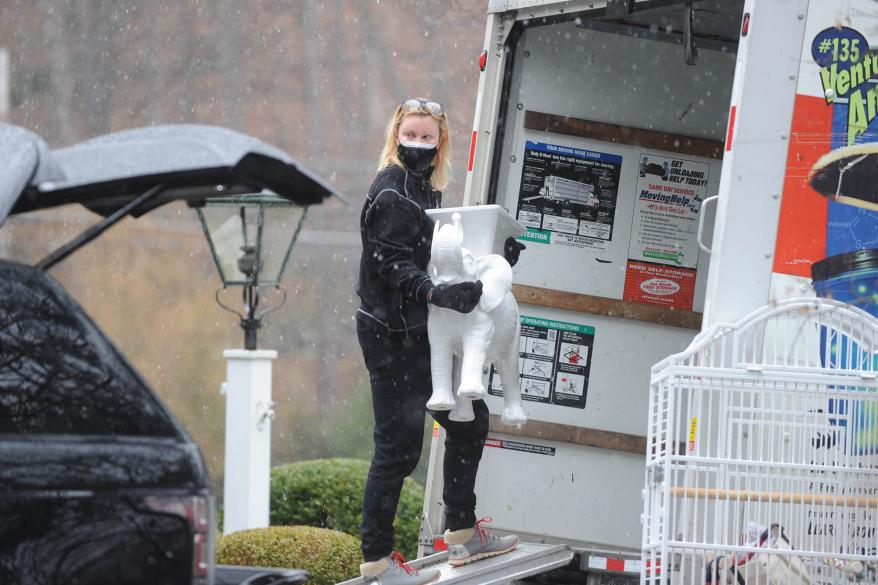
58 373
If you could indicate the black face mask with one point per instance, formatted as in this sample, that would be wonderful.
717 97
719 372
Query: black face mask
416 158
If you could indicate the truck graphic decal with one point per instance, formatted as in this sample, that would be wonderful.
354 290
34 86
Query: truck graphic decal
568 194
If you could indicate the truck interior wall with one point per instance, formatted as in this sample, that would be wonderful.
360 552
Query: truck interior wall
576 493
568 70
649 86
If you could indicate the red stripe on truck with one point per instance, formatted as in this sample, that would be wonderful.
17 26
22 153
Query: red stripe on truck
615 565
472 152
731 128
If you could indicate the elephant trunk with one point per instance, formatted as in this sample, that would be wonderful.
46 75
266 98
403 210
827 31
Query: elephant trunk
447 255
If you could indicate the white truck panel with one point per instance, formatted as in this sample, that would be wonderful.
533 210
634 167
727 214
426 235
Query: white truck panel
755 161
487 104
584 495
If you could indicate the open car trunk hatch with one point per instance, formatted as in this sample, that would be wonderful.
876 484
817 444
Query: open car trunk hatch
188 161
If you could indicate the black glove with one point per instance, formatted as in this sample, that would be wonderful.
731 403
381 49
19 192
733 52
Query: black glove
511 249
462 297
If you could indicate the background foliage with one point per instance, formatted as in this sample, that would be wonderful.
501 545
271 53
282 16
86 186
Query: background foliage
329 493
317 78
329 556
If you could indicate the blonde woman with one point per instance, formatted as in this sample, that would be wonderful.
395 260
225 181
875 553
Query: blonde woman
392 329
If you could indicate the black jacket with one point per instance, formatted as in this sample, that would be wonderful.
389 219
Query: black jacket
396 235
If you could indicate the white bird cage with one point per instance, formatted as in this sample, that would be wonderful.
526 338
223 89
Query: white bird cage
762 452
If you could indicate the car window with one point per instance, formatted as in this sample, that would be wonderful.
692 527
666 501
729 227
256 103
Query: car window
59 373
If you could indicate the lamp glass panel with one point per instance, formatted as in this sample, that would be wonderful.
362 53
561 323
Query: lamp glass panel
231 228
280 225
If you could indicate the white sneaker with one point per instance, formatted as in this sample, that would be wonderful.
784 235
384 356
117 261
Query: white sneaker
393 570
471 544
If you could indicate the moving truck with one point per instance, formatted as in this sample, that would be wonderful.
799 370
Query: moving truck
700 125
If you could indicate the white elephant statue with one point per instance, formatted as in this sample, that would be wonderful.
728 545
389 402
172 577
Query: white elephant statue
462 344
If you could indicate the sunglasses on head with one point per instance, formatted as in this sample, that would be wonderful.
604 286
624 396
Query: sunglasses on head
414 104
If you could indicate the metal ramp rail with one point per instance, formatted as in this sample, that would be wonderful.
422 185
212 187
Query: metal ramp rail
526 560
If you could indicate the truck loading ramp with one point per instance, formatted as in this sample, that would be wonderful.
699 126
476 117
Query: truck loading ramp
526 560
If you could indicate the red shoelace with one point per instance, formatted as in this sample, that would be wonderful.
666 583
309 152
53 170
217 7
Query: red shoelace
397 557
483 534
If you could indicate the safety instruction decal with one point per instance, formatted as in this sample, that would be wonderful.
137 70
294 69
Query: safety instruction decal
519 446
568 195
554 362
663 250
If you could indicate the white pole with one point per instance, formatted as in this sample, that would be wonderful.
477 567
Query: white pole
4 82
249 411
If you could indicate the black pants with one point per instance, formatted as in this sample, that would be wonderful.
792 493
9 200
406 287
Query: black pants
399 372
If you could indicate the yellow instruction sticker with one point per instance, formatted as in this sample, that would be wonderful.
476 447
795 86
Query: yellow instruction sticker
693 427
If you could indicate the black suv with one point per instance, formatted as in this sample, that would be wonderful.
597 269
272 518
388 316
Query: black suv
98 481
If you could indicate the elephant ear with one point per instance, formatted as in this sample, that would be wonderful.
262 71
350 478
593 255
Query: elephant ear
496 276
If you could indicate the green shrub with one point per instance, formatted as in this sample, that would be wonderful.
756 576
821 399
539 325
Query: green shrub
329 493
328 555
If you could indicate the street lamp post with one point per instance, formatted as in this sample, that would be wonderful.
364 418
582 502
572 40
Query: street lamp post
251 238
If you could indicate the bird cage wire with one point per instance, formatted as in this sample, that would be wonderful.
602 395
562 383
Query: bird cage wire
762 449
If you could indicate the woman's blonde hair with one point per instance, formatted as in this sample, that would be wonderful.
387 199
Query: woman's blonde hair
442 160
